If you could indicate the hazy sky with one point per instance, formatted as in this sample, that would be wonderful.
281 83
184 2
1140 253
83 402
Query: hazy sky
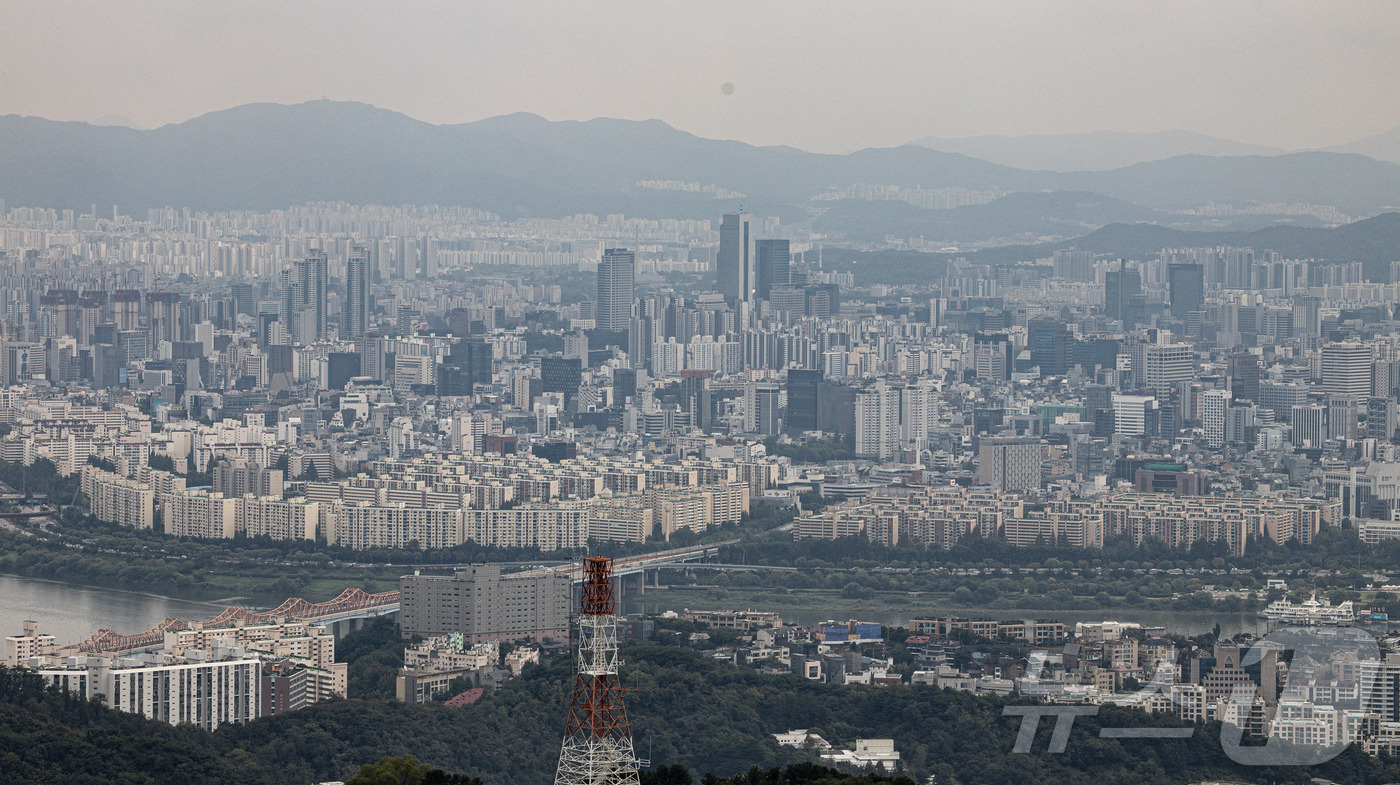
822 76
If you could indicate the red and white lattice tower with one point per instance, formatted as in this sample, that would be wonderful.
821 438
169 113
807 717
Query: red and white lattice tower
597 747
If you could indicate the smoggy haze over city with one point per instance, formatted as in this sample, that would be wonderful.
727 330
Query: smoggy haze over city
826 77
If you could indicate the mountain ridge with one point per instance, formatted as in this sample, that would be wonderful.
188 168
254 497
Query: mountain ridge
1091 151
266 156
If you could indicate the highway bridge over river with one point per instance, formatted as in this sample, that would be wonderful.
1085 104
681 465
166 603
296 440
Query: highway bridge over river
354 607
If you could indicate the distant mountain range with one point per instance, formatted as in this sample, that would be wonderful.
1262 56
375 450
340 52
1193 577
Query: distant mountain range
263 156
1094 151
1103 150
1382 147
1372 242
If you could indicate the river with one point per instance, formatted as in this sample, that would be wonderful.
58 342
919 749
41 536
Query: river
71 613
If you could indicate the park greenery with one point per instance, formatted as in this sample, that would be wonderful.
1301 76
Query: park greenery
692 716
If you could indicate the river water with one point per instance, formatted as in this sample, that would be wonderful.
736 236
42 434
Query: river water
71 613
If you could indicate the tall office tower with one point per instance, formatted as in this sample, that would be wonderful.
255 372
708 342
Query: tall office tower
1049 342
355 314
1122 292
1307 318
1160 366
877 421
734 265
1382 418
803 387
773 260
1214 404
991 356
243 298
1346 369
1187 289
761 408
617 274
303 309
1009 463
1309 426
1132 413
469 363
1244 377
1343 414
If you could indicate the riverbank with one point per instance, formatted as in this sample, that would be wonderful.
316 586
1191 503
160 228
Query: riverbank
811 606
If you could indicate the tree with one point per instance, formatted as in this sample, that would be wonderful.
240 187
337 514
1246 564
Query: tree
406 770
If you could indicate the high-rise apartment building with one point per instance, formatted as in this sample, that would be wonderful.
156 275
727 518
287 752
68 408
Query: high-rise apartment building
303 307
617 274
355 316
1214 404
736 276
877 421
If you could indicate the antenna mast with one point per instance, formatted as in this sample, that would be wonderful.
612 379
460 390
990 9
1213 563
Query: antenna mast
597 748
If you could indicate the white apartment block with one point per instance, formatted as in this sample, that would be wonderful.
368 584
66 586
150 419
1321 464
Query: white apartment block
113 498
363 525
279 519
204 688
19 649
200 514
944 516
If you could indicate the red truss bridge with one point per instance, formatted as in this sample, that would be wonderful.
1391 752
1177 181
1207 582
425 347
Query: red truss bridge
350 606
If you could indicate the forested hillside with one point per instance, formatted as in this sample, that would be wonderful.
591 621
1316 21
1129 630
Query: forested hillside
707 716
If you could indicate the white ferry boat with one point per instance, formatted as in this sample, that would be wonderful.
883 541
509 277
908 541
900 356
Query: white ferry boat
1310 612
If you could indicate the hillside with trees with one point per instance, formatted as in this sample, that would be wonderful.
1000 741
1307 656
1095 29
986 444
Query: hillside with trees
708 717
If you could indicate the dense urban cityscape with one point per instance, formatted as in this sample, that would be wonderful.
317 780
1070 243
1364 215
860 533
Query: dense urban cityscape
929 395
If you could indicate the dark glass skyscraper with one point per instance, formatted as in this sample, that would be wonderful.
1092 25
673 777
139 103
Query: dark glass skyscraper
1050 343
802 390
773 258
1121 286
734 265
1187 289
